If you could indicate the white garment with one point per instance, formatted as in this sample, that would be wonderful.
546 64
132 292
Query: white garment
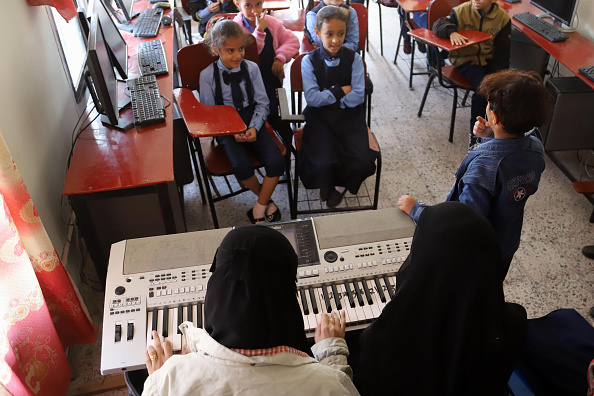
209 368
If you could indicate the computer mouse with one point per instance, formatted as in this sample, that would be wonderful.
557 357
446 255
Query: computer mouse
166 20
163 5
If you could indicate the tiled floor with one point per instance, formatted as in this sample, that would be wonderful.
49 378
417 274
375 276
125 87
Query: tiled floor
548 272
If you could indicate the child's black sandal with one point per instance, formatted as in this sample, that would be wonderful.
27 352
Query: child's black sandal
250 215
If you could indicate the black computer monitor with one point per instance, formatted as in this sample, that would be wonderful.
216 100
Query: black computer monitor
562 11
118 50
126 8
101 79
83 22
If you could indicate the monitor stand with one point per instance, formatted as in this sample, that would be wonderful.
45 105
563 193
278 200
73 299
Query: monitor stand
122 124
126 27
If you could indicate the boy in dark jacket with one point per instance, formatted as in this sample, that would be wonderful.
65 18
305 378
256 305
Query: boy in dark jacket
203 10
476 61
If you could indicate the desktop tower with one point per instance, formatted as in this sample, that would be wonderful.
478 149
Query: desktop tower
570 126
525 54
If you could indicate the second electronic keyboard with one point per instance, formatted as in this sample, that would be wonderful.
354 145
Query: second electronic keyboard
345 262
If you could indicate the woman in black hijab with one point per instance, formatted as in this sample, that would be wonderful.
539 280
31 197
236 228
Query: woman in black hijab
253 342
448 330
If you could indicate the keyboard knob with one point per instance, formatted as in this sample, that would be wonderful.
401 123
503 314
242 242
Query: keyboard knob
120 290
330 256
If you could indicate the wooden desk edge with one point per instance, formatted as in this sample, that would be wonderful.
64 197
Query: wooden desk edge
427 36
206 120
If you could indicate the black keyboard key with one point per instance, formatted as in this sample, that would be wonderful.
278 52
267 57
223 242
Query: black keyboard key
180 318
155 321
358 293
165 331
389 286
199 315
190 313
336 296
304 302
380 292
367 294
314 304
349 293
326 299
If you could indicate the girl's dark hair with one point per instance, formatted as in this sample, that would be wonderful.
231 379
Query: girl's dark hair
328 13
310 5
519 98
219 31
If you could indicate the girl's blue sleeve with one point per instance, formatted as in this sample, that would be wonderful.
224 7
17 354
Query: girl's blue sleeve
313 96
351 41
207 94
357 94
310 24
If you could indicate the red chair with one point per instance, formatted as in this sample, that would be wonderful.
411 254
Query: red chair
295 117
292 19
204 122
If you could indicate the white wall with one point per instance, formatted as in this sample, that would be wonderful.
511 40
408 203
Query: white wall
37 110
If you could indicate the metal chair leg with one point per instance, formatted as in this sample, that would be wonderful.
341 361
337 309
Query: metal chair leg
431 77
381 34
193 152
451 138
412 64
465 97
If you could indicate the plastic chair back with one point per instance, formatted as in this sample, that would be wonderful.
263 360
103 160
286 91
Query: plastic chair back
441 8
192 59
362 19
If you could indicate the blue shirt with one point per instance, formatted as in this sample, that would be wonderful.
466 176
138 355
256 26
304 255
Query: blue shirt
351 40
496 178
207 91
316 98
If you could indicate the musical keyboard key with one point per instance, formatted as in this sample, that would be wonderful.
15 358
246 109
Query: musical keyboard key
358 293
313 299
154 322
149 327
326 299
199 315
165 328
366 291
175 334
336 296
160 322
304 305
194 314
389 286
311 317
393 283
376 304
349 293
180 318
306 325
361 316
351 314
379 289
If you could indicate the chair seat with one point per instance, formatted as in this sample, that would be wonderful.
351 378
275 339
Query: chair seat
298 135
452 74
306 46
217 162
584 187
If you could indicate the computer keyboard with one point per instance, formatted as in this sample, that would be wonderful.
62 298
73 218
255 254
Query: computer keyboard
147 105
148 22
151 58
541 27
588 71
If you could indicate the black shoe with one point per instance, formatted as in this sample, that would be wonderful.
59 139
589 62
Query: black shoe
406 47
324 193
250 215
335 198
274 216
588 251
422 47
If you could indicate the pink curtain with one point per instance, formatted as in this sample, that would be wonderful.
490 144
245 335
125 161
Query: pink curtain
66 8
41 310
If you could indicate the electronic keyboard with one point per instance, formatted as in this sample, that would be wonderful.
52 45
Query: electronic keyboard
346 261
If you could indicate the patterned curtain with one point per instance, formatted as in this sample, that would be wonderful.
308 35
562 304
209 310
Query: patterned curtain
41 310
66 8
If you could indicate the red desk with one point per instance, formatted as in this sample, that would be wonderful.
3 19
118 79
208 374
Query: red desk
573 53
276 5
121 184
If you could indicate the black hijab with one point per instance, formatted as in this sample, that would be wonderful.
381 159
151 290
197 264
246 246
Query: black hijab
251 297
447 331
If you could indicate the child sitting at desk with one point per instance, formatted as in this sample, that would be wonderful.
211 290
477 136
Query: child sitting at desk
277 45
335 154
237 82
503 170
351 40
478 60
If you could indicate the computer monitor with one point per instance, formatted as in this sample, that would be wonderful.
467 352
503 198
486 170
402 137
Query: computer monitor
562 11
118 50
126 8
101 79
